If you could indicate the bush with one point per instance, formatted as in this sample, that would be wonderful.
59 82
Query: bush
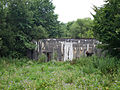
106 65
55 56
42 58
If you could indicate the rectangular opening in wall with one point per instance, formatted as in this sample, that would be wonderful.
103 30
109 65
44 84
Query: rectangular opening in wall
48 55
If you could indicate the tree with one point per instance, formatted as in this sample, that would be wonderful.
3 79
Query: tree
82 28
69 24
0 43
62 30
38 32
3 25
43 14
22 21
19 20
106 26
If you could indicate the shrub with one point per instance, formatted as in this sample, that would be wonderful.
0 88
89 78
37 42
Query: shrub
55 56
42 58
107 65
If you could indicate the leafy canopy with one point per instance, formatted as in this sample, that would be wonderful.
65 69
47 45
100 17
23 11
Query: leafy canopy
107 26
22 21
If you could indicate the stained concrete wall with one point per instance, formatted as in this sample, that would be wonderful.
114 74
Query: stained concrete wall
64 49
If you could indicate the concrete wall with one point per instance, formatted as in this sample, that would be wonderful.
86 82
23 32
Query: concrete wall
64 49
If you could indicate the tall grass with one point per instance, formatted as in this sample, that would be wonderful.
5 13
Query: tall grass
91 73
106 65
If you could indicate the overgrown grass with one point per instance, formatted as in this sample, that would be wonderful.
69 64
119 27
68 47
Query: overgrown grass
91 73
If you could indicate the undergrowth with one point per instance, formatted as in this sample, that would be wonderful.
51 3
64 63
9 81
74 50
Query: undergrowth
90 73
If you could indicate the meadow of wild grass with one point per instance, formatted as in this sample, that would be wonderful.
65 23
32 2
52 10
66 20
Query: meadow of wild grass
90 73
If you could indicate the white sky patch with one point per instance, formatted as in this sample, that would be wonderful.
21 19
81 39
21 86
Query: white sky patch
70 10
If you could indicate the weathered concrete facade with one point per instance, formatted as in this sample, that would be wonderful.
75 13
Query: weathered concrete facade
64 49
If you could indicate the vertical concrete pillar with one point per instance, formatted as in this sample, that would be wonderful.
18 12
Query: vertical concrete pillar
87 47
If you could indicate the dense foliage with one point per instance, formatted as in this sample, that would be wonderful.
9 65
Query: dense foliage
22 21
91 73
107 26
81 28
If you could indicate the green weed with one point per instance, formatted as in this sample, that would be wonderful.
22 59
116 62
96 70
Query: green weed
91 73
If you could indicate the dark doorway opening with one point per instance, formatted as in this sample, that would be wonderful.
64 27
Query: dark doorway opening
48 55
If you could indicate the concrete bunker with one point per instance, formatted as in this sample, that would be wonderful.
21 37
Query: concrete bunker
64 49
